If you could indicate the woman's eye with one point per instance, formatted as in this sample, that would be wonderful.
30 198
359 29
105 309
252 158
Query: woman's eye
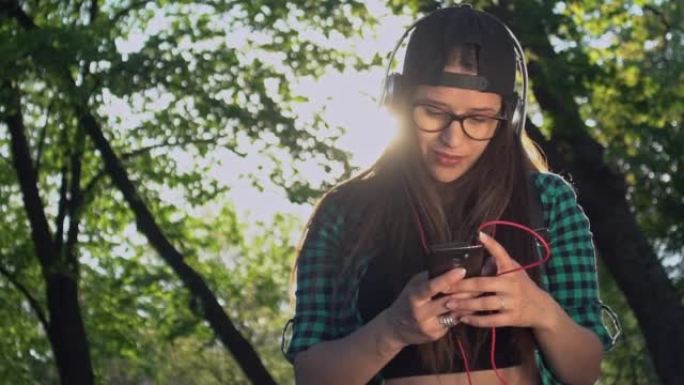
479 119
434 111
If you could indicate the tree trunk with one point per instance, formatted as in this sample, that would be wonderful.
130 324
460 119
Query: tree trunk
602 193
240 348
66 331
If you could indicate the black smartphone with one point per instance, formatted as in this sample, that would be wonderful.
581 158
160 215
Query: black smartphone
446 256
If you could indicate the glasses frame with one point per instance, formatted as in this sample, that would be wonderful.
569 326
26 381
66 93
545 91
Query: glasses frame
455 117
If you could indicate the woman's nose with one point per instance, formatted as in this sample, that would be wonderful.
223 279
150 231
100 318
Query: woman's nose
453 135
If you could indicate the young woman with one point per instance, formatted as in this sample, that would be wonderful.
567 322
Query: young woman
366 310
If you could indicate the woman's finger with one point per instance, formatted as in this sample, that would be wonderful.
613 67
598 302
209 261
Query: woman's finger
488 320
503 260
489 302
481 285
425 291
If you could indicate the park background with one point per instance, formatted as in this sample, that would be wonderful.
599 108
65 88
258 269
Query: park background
159 160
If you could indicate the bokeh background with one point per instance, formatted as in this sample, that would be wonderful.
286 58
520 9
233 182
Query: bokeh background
159 160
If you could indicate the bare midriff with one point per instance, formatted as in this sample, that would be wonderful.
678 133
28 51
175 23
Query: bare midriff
525 374
515 375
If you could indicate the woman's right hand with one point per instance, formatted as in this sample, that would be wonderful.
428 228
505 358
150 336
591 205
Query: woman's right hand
414 315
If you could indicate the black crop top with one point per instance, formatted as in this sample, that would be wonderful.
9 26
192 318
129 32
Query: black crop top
377 292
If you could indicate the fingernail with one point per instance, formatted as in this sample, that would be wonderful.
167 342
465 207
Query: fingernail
461 272
463 319
483 236
452 305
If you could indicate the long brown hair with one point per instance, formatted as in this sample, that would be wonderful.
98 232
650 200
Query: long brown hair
495 187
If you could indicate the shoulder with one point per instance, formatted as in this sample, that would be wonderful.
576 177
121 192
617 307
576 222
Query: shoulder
553 187
345 199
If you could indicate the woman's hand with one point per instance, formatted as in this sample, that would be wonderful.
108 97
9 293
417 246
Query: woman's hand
517 300
413 316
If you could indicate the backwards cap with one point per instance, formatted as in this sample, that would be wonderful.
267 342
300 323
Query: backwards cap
436 34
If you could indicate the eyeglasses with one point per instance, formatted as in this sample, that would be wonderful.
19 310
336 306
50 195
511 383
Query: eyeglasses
430 118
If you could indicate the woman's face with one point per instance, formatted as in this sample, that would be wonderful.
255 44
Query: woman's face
448 154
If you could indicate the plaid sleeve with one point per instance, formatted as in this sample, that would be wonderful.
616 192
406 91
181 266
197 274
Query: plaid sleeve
571 276
315 319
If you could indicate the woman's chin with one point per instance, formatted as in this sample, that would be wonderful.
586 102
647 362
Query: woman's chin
442 175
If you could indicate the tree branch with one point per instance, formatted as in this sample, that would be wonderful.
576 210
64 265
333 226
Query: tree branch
26 175
33 303
660 15
125 11
90 186
127 156
61 210
41 138
212 311
75 198
94 10
13 9
63 200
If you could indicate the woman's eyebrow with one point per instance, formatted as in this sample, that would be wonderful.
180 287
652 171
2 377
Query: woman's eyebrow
483 109
448 107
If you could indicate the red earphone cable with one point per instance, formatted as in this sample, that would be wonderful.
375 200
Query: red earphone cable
465 360
547 249
540 239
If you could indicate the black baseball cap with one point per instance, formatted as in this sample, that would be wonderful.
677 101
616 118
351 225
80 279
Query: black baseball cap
437 33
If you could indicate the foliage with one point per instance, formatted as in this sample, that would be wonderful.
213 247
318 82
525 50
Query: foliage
176 83
173 83
628 361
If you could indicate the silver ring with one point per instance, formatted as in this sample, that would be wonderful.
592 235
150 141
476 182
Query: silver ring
447 321
503 304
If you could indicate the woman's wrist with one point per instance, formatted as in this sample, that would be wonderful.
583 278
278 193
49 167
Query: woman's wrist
386 340
551 315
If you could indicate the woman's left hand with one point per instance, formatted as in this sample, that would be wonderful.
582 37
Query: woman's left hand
517 300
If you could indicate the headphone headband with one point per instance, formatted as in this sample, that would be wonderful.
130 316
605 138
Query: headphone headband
516 107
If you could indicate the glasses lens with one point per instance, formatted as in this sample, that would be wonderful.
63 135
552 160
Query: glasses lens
480 127
429 118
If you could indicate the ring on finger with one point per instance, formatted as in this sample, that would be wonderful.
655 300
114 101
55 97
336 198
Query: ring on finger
447 321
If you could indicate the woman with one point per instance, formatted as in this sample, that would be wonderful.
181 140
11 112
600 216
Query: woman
366 309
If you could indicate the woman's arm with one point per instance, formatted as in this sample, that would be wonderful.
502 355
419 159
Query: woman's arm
323 348
566 318
573 352
411 319
353 359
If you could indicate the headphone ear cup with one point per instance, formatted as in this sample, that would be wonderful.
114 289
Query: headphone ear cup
514 112
393 85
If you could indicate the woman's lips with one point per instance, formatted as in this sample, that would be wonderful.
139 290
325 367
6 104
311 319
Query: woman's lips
447 160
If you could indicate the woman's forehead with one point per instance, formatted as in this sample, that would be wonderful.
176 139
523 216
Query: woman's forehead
458 98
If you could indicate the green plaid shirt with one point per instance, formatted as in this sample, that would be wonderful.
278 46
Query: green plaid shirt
569 276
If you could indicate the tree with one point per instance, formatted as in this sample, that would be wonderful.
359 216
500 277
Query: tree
200 77
561 81
604 113
61 68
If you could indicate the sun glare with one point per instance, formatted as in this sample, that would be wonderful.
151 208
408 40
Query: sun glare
347 99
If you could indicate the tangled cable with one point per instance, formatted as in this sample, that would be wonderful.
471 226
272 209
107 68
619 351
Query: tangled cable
546 257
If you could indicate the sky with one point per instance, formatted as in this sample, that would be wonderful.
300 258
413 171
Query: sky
349 101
